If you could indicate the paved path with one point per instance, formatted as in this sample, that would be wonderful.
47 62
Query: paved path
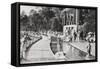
40 51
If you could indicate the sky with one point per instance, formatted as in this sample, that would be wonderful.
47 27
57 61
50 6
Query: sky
28 8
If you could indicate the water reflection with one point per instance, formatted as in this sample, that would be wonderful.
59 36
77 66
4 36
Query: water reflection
70 52
73 53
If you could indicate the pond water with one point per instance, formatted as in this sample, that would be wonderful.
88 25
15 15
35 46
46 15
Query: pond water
70 52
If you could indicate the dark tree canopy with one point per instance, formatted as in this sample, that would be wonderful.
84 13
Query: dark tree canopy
48 18
42 20
87 16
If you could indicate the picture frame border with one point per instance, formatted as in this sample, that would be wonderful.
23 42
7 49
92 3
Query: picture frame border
54 5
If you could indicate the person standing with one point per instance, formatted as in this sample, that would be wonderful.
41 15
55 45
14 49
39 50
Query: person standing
24 45
22 49
89 49
75 35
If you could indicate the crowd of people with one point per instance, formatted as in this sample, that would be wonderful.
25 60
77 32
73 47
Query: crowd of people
28 36
26 39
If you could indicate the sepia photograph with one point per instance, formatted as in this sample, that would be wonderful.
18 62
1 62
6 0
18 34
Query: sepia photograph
55 34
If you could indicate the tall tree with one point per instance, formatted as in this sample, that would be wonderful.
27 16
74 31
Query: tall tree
47 14
23 20
56 21
87 17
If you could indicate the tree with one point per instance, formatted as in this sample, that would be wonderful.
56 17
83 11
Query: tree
87 19
47 14
56 25
57 12
23 20
56 21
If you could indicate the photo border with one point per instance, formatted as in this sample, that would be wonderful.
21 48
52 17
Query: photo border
56 5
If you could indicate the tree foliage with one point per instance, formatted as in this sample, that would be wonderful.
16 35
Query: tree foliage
42 20
48 18
87 17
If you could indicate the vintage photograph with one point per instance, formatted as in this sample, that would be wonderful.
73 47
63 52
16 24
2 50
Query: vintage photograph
54 34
